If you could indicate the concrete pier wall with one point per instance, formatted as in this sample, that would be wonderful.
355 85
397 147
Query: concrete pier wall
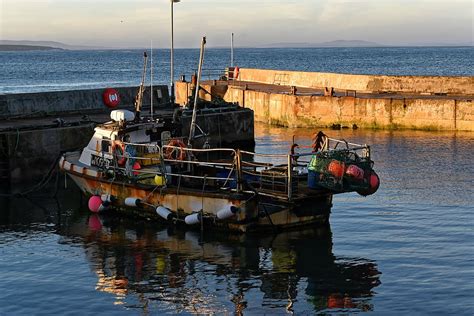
362 83
344 99
305 111
74 101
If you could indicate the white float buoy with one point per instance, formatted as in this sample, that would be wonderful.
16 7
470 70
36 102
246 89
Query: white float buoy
193 219
227 212
164 212
107 198
133 202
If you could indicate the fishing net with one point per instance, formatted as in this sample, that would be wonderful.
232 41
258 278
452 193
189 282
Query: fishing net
339 171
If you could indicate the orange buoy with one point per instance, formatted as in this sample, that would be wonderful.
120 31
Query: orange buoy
336 168
111 98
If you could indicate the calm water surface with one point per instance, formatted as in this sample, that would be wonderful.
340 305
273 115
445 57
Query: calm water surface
65 70
407 249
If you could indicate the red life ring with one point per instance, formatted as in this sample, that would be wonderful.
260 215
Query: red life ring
118 150
236 72
111 98
176 151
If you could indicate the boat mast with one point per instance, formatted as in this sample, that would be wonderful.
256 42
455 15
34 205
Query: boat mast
232 50
141 89
151 79
196 93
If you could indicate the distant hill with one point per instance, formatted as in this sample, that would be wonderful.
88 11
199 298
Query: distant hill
12 48
49 44
337 43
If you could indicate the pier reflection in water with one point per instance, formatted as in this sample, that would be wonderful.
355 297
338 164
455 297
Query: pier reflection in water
177 270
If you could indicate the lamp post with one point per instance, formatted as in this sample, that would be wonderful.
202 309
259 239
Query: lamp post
172 51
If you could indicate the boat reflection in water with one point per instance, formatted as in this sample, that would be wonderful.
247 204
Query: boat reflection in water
172 270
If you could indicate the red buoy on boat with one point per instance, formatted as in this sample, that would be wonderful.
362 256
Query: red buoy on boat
373 181
136 166
111 98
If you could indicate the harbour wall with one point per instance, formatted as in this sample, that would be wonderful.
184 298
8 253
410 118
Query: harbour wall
297 106
306 111
362 83
74 101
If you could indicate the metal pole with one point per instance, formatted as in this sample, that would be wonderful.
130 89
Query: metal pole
232 50
172 53
151 79
290 177
196 93
238 171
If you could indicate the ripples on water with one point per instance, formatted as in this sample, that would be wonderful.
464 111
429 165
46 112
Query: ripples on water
64 70
407 249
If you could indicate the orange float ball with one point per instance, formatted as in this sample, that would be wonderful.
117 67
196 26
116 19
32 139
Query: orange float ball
336 168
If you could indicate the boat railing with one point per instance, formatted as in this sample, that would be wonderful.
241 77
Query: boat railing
277 175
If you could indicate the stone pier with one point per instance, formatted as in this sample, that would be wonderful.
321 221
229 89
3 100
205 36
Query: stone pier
310 99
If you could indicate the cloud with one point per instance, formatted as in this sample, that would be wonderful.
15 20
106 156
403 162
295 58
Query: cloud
121 23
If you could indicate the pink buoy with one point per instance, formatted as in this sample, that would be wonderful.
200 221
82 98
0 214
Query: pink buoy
95 203
355 172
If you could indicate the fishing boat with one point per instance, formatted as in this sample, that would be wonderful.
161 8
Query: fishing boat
144 166
157 175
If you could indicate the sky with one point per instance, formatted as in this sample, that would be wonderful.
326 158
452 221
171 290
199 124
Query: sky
134 23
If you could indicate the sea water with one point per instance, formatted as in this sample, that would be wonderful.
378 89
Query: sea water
407 249
37 71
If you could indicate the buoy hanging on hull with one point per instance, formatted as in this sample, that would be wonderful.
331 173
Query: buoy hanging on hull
193 219
100 203
165 213
107 198
133 202
227 212
94 203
